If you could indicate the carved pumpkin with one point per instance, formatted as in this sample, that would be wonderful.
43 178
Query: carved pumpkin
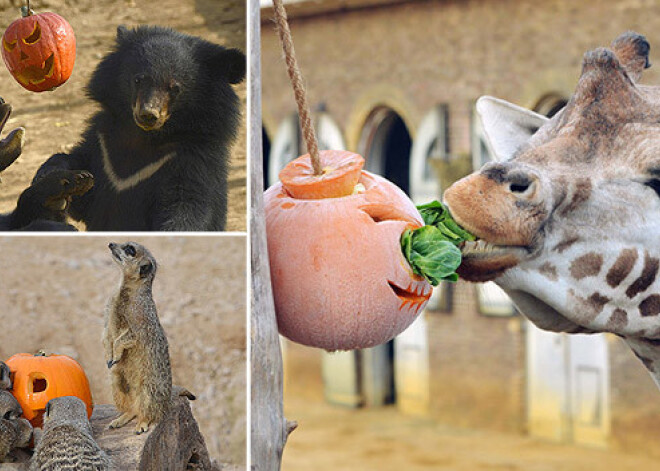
340 280
40 378
39 50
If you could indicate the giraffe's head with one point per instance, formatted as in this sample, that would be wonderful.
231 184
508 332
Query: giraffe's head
569 216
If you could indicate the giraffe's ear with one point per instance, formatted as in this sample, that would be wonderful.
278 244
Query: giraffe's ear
506 126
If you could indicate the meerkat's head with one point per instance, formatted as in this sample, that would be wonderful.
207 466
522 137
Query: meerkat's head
24 433
135 261
5 376
67 410
10 409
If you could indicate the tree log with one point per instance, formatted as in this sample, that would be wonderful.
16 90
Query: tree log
269 429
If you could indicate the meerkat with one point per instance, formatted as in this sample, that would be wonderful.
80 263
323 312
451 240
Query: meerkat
5 376
66 441
10 409
14 433
135 344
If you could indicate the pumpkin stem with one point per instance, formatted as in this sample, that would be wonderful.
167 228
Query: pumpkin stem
26 11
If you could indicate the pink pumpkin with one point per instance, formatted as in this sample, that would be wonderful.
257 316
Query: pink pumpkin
340 280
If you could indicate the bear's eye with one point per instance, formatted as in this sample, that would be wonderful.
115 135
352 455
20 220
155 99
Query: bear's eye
129 250
138 78
175 88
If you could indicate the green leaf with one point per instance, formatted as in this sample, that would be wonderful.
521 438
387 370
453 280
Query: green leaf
432 250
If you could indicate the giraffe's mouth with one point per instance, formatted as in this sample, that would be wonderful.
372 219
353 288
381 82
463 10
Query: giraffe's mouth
485 261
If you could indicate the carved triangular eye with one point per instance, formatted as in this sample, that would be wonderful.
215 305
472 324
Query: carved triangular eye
35 35
9 45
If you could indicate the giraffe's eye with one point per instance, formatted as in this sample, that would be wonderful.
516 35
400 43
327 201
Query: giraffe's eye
654 184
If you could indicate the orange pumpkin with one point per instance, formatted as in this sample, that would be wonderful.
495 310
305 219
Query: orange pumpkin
340 280
40 378
39 50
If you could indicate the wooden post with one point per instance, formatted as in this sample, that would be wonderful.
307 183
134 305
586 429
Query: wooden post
269 427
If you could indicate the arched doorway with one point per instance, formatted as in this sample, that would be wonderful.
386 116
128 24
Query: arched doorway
385 143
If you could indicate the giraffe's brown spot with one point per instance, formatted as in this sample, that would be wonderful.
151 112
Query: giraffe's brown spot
650 306
589 308
617 321
622 267
581 193
586 265
649 272
566 243
549 271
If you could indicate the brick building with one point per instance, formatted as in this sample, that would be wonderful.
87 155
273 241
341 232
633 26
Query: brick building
397 81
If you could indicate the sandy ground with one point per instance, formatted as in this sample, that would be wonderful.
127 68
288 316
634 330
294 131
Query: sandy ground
330 438
55 120
54 291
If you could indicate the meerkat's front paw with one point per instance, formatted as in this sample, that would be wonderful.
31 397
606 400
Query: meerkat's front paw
142 427
121 421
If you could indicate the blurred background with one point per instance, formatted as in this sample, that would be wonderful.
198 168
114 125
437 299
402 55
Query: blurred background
471 385
54 121
53 295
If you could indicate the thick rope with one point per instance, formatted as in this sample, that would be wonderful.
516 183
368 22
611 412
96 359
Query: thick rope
298 87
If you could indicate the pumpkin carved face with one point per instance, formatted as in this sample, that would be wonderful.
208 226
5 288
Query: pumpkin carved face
39 51
40 378
340 280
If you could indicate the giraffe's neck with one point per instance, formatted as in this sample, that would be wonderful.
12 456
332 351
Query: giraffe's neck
648 351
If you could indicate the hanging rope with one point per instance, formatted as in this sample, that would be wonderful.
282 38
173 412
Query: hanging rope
298 87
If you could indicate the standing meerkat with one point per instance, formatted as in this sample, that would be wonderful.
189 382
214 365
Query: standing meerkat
66 441
135 344
14 433
5 376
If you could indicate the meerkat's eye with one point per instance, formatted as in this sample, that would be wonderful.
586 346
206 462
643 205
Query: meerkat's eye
138 78
130 250
145 269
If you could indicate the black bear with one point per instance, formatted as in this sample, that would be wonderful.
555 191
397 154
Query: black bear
159 147
42 206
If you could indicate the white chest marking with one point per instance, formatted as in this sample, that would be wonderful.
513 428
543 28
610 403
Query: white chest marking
121 184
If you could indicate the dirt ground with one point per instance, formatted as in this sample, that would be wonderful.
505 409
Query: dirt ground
55 120
329 438
54 291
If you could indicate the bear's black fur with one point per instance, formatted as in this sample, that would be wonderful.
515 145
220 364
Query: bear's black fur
169 116
42 206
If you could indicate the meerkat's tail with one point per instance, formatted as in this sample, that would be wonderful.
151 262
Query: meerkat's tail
180 391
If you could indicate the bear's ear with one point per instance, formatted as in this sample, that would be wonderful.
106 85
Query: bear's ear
122 33
227 63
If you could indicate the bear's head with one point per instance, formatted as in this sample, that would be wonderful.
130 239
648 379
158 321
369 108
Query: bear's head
165 81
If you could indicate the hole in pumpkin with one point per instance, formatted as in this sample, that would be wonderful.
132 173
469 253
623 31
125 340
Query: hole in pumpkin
385 212
9 46
39 385
34 74
24 56
35 35
409 296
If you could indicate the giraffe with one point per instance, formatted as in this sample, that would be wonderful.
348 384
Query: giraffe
568 216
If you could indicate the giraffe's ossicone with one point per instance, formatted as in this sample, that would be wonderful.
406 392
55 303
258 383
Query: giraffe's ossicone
568 217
